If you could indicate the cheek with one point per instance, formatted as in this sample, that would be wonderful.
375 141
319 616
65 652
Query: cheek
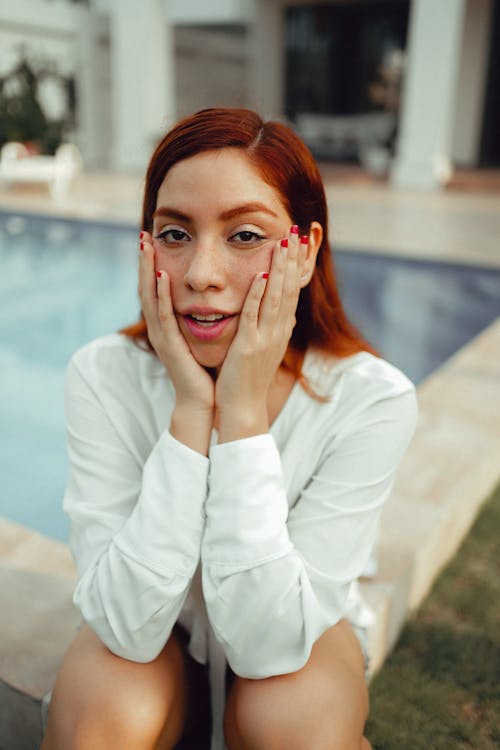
172 264
247 267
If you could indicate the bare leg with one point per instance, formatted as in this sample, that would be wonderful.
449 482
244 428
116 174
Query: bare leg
323 706
101 701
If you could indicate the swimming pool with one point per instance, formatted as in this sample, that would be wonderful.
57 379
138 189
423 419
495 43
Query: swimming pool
65 282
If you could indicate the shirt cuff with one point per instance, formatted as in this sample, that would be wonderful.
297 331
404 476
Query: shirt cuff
247 506
164 530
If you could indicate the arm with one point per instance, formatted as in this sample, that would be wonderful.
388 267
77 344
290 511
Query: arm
275 581
136 521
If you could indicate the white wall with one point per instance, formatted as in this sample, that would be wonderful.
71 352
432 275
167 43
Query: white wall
48 30
211 11
224 55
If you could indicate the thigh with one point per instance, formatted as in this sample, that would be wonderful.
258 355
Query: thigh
102 700
322 705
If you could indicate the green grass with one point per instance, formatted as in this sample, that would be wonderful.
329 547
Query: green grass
440 688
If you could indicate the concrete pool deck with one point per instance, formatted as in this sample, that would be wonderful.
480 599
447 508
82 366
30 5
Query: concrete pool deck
450 469
454 225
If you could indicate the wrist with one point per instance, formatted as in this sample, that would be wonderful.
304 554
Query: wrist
192 426
240 423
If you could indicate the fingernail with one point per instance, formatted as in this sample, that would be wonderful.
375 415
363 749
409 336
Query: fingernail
141 235
265 275
283 245
304 240
159 274
142 245
294 229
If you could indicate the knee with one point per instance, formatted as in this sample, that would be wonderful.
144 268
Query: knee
260 715
111 704
91 716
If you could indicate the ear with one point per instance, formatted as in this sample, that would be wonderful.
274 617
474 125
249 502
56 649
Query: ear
315 240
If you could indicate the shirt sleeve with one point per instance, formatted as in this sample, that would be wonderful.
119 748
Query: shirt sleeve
136 526
275 580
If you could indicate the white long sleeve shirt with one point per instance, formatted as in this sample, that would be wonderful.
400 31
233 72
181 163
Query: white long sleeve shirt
256 549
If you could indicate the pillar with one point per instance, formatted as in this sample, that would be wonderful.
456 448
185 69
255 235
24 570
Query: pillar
267 59
142 80
429 96
93 88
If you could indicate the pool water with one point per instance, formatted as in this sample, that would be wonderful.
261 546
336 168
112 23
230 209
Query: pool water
63 283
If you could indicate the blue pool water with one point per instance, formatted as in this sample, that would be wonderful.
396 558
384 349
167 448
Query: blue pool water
63 283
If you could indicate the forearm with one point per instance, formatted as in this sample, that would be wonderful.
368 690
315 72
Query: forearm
267 617
136 556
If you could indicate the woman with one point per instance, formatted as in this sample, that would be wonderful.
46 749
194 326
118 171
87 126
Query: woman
230 455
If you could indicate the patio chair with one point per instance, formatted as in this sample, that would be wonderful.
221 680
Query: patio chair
17 165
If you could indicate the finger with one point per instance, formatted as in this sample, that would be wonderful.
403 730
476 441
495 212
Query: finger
166 314
303 248
147 282
294 268
272 300
281 297
249 316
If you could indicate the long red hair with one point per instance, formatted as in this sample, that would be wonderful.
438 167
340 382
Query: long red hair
287 165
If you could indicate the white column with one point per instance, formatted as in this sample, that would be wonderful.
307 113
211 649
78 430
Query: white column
428 105
267 58
93 88
142 79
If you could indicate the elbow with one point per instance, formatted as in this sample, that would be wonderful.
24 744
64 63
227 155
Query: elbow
253 666
139 650
257 658
141 645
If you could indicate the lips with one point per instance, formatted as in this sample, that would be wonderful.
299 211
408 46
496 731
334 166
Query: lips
207 319
205 324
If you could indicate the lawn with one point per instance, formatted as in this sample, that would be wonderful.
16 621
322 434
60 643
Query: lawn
440 688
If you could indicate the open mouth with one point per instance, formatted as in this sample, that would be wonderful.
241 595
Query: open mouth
207 327
208 320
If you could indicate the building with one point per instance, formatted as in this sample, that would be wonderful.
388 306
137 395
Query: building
334 69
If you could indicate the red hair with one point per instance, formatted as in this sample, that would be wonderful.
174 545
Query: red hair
287 165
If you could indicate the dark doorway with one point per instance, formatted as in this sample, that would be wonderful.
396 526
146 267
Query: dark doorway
489 152
334 54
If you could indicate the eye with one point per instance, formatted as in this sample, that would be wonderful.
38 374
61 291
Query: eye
171 236
246 237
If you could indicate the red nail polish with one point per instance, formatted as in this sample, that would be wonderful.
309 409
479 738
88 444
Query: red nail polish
142 245
304 240
284 242
265 275
158 273
294 229
141 235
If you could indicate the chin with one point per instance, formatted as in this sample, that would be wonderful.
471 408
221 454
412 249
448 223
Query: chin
211 359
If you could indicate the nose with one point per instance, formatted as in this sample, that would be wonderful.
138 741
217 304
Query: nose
205 267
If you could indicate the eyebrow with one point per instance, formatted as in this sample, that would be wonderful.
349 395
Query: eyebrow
245 208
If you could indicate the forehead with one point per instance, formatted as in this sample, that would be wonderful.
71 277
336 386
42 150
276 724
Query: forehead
225 176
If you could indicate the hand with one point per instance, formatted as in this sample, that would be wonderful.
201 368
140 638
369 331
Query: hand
264 330
192 419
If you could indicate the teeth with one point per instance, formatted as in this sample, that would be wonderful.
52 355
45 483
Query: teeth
208 318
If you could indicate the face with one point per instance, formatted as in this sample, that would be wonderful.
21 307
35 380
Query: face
215 225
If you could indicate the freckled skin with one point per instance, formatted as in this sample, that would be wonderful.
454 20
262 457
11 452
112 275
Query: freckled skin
210 268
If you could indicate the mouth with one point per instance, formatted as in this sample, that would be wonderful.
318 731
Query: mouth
207 326
207 320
